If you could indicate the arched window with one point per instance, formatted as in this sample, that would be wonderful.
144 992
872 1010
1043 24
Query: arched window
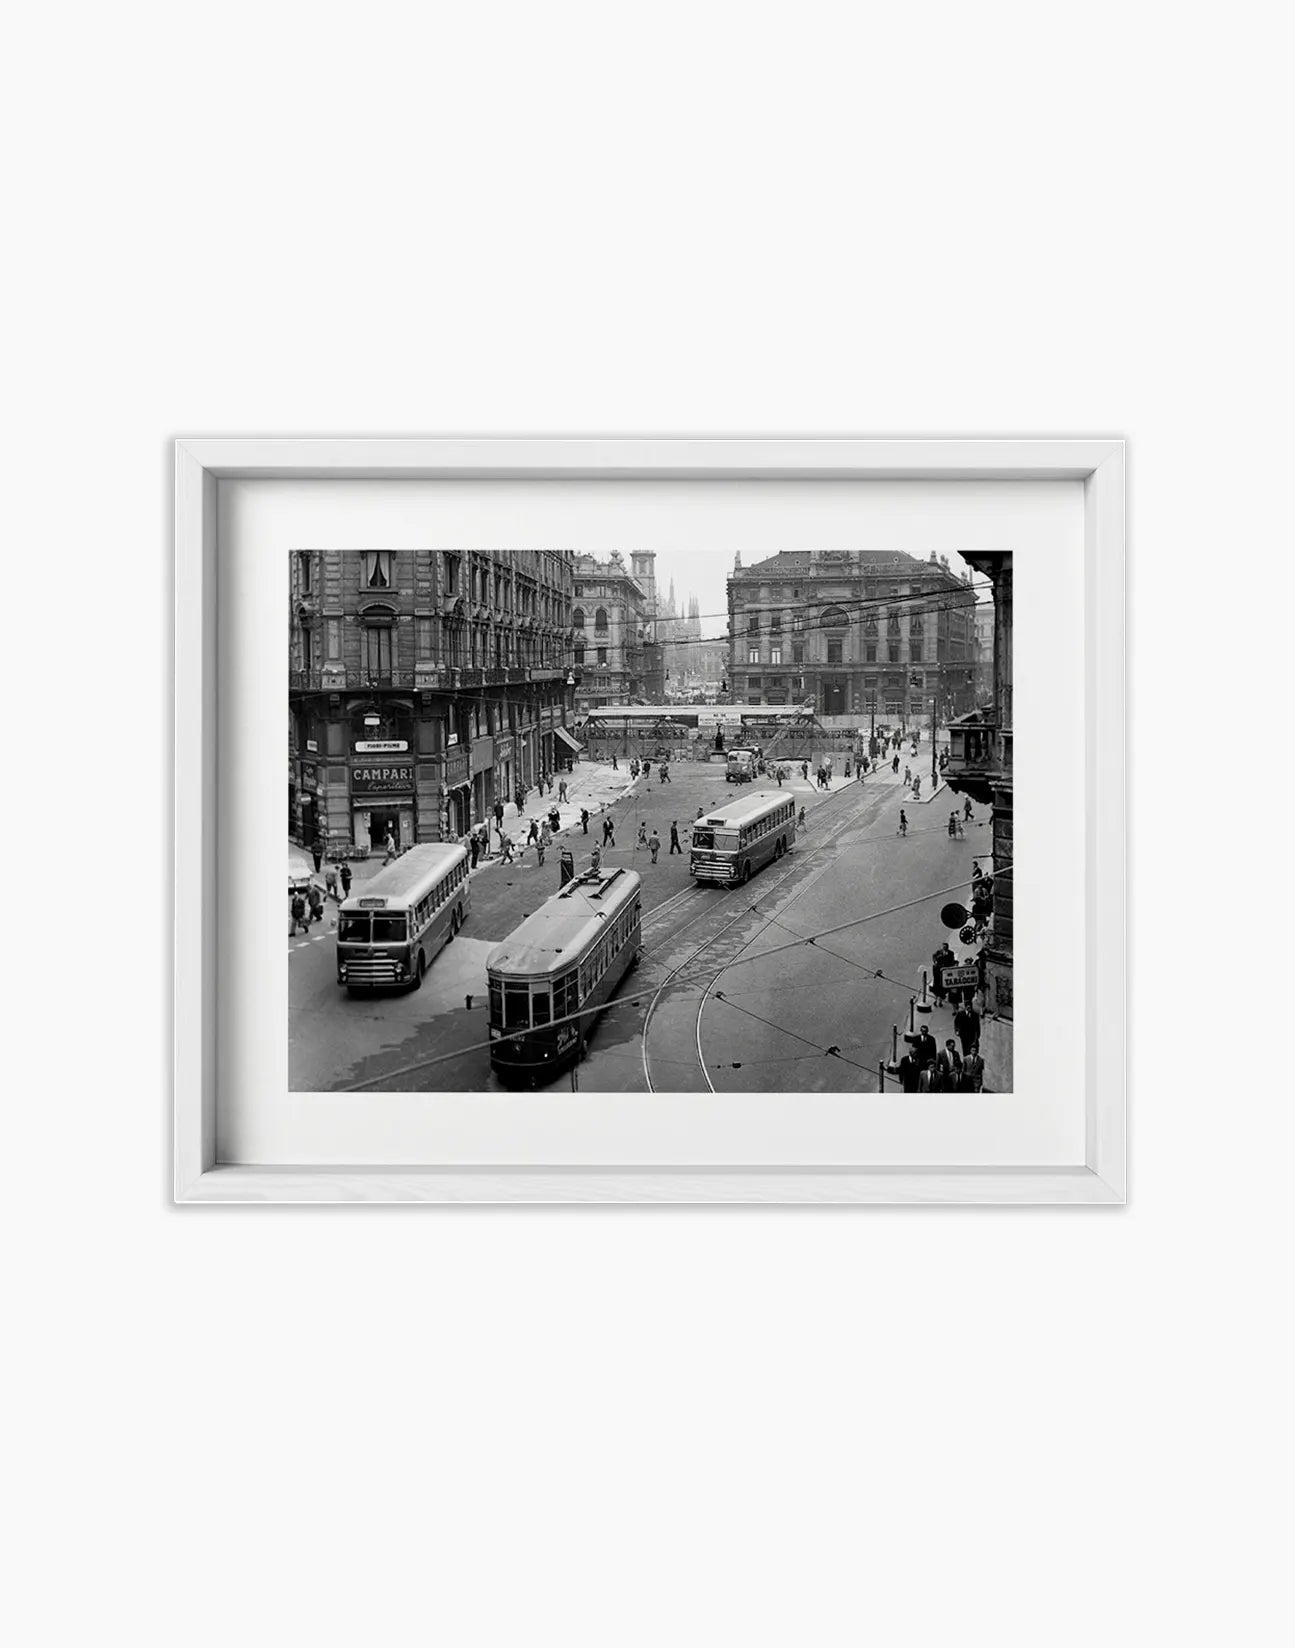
578 618
600 618
834 618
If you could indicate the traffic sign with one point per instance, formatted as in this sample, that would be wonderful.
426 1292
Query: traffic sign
959 978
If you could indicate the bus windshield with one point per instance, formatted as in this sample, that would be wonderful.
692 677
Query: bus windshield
370 929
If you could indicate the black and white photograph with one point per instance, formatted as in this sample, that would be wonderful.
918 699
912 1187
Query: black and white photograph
650 821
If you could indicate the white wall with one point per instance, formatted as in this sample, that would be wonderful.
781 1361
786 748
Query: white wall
710 1428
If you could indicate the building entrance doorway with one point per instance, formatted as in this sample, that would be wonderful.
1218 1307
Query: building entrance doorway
834 698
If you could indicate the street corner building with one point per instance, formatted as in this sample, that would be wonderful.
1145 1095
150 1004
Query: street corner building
424 685
980 766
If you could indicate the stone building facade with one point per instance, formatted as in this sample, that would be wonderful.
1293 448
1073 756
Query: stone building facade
614 655
854 632
422 686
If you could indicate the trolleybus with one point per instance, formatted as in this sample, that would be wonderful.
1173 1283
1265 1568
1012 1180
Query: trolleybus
550 976
390 930
734 841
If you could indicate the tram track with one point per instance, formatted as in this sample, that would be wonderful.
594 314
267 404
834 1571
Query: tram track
769 886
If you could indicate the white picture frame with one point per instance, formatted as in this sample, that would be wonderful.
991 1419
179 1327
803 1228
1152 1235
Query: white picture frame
202 464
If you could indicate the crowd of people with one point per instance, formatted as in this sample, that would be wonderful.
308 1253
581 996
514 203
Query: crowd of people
957 1067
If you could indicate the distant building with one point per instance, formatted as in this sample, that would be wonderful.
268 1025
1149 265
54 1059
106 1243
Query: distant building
422 686
980 766
613 652
857 632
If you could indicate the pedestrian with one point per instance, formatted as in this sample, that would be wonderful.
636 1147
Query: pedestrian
595 858
894 766
917 788
966 809
973 1071
800 822
909 1072
499 815
908 775
506 847
344 876
474 850
966 1021
541 847
555 820
942 958
949 1064
634 767
316 898
903 822
546 834
562 789
609 832
647 772
700 811
953 826
298 915
957 825
804 770
642 838
520 798
533 834
654 842
780 777
923 1045
615 763
847 766
389 843
566 867
317 853
584 820
674 837
330 880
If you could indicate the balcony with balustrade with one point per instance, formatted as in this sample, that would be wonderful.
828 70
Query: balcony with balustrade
980 757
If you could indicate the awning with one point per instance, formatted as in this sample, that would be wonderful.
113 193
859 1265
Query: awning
565 736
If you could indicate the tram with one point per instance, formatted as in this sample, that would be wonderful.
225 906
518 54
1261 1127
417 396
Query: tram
731 843
552 975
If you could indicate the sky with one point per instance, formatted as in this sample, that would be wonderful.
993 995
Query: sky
706 576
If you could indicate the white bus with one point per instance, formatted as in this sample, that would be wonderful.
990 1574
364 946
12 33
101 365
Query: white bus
729 844
390 930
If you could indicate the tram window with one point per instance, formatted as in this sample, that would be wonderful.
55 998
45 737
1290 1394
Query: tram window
496 1002
565 996
517 1007
540 1007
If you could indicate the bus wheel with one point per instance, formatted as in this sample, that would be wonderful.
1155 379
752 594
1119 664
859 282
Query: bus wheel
746 871
454 926
419 971
462 915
